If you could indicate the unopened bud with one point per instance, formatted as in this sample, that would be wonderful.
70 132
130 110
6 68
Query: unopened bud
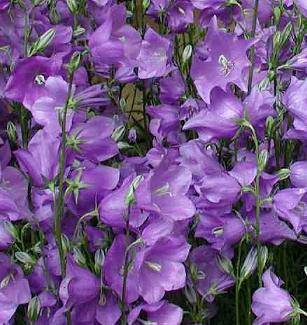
225 264
249 265
34 308
187 53
42 42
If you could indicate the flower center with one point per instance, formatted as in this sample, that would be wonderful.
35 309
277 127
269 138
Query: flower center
218 231
154 266
226 65
40 79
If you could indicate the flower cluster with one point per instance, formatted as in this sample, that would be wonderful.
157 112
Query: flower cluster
153 162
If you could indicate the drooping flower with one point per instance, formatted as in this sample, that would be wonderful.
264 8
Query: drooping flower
226 63
211 280
289 206
159 313
295 100
40 160
80 291
224 108
298 174
271 304
14 289
92 139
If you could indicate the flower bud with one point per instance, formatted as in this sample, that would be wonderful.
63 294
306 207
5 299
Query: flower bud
99 260
129 199
262 160
187 53
190 294
269 124
11 131
249 265
264 254
118 133
42 42
73 6
74 62
283 173
79 256
225 264
34 308
25 258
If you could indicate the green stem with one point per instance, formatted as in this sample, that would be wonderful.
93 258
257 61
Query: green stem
238 284
252 54
59 202
125 271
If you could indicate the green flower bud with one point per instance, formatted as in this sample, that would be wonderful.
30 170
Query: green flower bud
42 42
11 131
187 53
34 308
249 265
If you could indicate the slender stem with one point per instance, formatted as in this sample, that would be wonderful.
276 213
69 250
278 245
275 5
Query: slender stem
238 284
59 202
125 271
252 54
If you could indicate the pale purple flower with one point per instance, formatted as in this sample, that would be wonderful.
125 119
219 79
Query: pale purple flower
226 63
153 57
271 304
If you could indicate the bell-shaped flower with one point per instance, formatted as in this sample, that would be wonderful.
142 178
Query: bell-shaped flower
271 304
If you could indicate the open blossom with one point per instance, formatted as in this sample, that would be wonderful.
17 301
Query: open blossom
164 192
27 82
225 64
271 304
14 289
156 269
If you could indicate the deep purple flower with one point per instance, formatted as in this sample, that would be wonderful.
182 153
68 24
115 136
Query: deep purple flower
13 195
113 209
217 193
89 184
27 82
295 101
47 109
271 304
80 290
